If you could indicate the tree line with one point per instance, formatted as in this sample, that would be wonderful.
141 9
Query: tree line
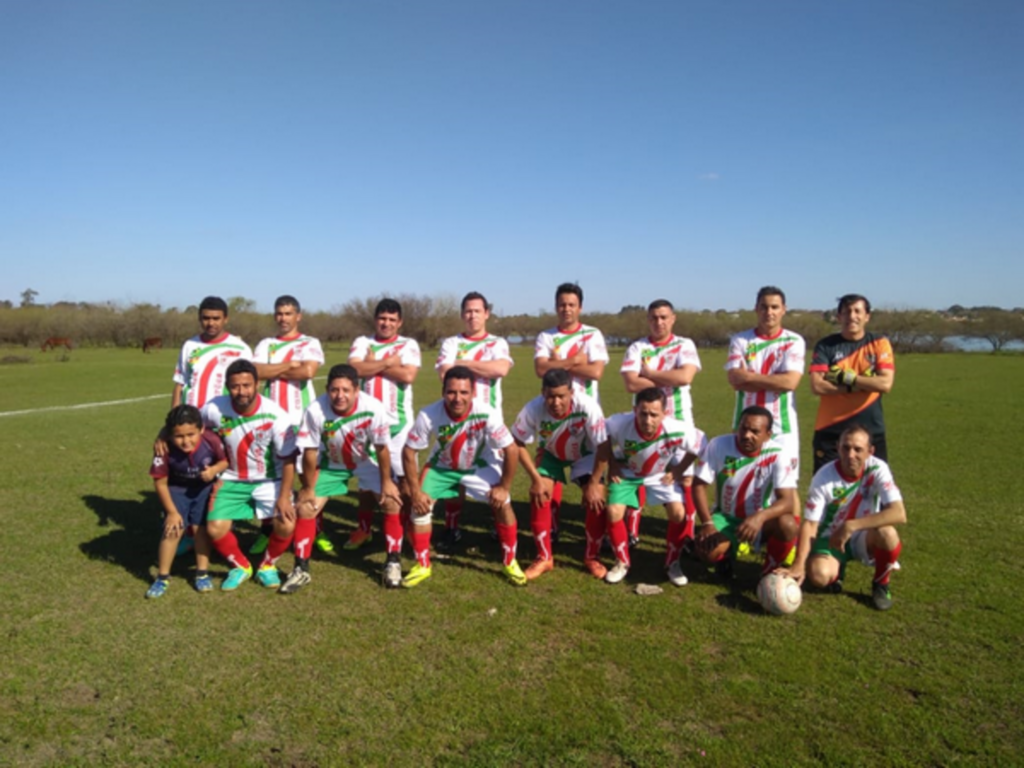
430 319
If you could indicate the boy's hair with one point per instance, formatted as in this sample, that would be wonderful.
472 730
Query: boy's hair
180 415
659 303
390 306
770 290
850 299
572 288
343 371
214 304
650 395
555 378
241 366
287 301
474 295
460 372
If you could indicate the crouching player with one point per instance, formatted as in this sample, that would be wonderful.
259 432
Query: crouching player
345 434
461 429
755 482
852 510
183 478
645 448
260 443
568 429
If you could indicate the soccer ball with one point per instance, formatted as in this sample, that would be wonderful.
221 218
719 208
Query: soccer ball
779 594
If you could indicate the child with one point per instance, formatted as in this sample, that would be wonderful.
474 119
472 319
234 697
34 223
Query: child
184 478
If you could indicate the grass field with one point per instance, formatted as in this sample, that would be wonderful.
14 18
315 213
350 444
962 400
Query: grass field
466 670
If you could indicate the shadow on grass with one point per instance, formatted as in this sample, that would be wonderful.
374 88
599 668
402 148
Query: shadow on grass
134 536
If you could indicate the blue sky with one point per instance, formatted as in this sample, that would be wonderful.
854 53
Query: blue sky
159 152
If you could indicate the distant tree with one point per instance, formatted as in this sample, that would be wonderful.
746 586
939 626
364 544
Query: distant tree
28 297
632 308
239 304
997 327
6 304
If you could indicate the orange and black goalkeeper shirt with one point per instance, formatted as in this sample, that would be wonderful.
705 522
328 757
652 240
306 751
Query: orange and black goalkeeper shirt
865 357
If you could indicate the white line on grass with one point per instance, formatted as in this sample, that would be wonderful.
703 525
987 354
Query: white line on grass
81 406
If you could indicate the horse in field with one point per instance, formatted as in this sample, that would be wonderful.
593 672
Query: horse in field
56 341
153 342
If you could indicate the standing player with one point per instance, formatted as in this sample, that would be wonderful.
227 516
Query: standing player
461 429
286 365
765 366
568 428
260 445
345 434
852 510
487 357
670 363
387 364
645 449
574 347
755 493
850 371
204 359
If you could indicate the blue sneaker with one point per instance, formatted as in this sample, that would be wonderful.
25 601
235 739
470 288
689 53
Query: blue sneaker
157 589
204 583
236 577
269 577
187 544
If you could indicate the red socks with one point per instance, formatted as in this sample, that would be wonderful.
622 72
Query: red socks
452 513
507 536
305 532
227 547
777 552
556 505
275 549
540 524
393 533
421 547
673 542
885 560
595 527
620 541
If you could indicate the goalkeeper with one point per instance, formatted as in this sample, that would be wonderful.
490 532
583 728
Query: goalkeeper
850 371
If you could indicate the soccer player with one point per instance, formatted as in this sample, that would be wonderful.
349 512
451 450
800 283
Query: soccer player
645 448
568 427
260 445
488 357
387 365
670 363
204 359
765 365
850 371
461 428
755 493
183 478
286 365
852 510
574 347
345 434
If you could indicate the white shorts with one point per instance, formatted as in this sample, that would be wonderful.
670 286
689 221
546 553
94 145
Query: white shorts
395 446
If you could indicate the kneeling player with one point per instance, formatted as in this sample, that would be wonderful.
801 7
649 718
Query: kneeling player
461 428
645 448
755 493
852 510
568 428
260 444
348 431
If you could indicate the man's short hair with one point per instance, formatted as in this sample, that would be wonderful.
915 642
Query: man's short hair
241 366
770 290
343 371
555 378
183 414
852 298
460 372
389 306
854 429
214 304
758 410
572 288
650 395
287 301
471 296
659 303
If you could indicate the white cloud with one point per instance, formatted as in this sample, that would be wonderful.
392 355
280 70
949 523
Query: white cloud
709 176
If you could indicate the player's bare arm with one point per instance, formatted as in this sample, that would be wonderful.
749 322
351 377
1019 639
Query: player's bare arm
176 396
501 494
785 504
594 492
588 370
310 472
745 380
540 487
388 489
675 377
700 501
634 382
840 381
421 503
891 514
798 570
209 474
490 369
542 365
285 509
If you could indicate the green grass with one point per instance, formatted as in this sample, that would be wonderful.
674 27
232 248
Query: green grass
566 672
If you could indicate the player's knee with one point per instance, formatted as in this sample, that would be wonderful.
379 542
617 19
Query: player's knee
218 528
422 521
822 571
885 538
675 512
615 512
788 528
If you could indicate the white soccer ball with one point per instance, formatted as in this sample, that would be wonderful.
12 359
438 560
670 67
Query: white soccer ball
779 594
